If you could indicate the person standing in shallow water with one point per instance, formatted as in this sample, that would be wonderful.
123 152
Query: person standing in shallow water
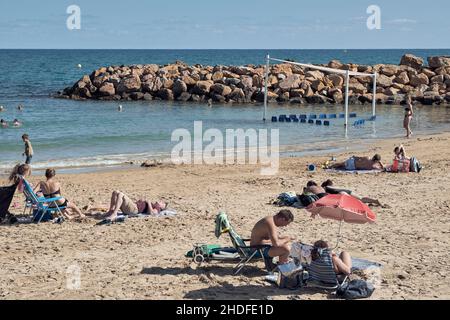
28 149
408 117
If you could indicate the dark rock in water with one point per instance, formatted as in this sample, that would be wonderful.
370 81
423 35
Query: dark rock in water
137 95
196 98
297 100
166 94
148 97
317 98
218 98
184 96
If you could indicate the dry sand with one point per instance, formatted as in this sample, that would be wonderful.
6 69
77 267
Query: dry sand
144 258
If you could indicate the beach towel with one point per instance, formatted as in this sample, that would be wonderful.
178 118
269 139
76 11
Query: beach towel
352 171
122 217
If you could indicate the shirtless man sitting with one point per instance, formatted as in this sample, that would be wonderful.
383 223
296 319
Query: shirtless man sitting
265 232
360 163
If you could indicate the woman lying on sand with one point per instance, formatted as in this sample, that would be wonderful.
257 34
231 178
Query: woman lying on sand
52 189
121 202
327 188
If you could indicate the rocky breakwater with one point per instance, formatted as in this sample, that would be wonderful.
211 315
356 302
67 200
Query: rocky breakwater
287 83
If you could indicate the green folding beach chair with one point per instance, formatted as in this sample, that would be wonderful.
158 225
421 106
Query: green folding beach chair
240 252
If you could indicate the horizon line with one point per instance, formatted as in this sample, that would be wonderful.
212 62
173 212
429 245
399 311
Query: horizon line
193 49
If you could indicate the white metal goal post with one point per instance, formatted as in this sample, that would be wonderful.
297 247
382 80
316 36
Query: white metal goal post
347 74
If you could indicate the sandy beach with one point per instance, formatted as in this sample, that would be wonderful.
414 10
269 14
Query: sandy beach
144 258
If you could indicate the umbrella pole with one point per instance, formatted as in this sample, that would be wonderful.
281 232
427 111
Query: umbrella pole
339 235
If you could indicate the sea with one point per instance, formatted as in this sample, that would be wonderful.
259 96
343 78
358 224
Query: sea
75 135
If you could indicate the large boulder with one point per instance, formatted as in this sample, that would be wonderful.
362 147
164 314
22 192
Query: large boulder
411 61
165 94
283 68
246 82
419 79
179 87
202 87
402 78
314 75
438 62
317 85
357 87
184 96
221 89
384 81
389 70
291 82
335 64
317 98
337 80
129 84
189 81
437 79
237 95
107 89
217 76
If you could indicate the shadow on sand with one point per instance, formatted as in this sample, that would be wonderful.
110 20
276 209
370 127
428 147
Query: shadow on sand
227 291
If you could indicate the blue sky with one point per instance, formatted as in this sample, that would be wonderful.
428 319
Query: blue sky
204 24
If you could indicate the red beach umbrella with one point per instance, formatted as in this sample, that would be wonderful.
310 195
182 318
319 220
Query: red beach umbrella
342 207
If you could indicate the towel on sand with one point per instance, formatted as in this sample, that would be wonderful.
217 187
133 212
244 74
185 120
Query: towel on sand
352 171
122 217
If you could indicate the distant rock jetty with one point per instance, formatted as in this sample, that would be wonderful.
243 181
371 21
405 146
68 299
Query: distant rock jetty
288 83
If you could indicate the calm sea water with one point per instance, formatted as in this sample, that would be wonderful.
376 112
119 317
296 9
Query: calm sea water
78 133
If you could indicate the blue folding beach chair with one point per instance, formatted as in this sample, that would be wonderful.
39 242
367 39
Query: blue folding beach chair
41 208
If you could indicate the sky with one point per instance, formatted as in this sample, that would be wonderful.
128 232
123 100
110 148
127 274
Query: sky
230 24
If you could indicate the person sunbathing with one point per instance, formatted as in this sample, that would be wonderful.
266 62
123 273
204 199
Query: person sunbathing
342 264
314 188
399 153
359 163
329 188
265 232
52 189
121 202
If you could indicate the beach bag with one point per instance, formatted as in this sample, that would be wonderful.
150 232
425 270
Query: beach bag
355 289
402 165
307 199
415 165
290 276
